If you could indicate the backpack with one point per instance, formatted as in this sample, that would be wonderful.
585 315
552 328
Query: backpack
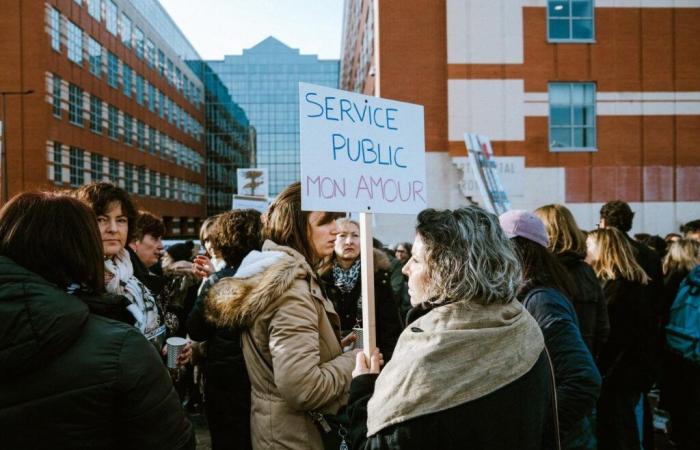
683 330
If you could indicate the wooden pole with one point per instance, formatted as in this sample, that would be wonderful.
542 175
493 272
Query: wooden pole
369 329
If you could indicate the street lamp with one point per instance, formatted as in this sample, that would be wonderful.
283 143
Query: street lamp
3 130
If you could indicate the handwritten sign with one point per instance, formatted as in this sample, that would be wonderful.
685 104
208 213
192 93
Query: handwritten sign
360 153
252 182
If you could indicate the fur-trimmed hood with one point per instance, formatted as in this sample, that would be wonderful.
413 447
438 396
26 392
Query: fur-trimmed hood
260 280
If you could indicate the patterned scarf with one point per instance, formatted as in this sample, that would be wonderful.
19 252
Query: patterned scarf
345 280
143 305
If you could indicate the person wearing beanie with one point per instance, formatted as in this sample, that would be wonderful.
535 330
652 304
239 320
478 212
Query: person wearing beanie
183 251
545 294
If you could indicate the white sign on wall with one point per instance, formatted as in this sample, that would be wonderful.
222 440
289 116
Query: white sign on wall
252 182
360 153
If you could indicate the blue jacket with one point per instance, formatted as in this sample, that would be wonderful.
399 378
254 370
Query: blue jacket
577 378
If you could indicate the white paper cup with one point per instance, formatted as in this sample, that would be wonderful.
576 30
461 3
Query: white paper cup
358 333
174 348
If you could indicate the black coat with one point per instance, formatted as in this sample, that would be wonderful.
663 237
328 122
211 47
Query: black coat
512 417
70 379
388 320
577 378
589 302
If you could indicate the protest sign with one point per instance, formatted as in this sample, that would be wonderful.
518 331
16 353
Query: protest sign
248 202
252 182
485 172
360 153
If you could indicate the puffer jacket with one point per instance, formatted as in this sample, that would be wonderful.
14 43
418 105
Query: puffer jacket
589 302
387 320
70 379
291 345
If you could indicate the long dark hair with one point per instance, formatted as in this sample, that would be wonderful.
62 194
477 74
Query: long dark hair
100 196
542 269
54 236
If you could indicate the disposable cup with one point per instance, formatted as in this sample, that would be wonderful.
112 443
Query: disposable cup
174 348
358 333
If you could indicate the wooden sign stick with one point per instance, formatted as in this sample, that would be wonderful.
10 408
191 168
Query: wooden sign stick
369 329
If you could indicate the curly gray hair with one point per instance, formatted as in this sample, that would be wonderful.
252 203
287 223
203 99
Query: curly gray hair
469 257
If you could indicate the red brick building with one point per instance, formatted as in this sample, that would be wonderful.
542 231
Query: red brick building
584 101
113 99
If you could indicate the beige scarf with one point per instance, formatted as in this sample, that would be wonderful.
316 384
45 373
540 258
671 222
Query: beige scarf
463 352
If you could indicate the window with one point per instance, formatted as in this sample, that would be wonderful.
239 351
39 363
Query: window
140 135
75 43
572 116
95 57
113 122
111 16
160 104
138 42
151 97
161 62
96 167
129 177
570 20
57 162
150 53
128 129
75 105
152 138
127 75
76 166
126 30
113 171
95 114
55 29
112 70
163 187
94 8
56 101
170 74
142 180
139 89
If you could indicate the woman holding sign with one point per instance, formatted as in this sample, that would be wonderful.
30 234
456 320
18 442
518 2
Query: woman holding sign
470 369
291 341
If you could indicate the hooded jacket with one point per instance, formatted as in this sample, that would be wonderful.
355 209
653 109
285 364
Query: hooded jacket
291 345
74 380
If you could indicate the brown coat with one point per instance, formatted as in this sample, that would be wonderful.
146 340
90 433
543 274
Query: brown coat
291 348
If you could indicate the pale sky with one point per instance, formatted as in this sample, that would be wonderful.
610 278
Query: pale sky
226 27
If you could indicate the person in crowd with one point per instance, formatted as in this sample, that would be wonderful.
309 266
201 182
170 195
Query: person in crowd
180 285
470 369
568 244
211 261
679 382
670 238
618 214
115 218
545 294
691 230
342 281
233 235
291 338
403 254
69 378
626 360
146 248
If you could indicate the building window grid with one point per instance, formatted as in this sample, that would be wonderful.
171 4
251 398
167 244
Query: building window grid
95 57
139 89
572 116
95 9
570 20
128 129
56 100
127 77
141 184
139 44
57 162
55 28
75 105
113 167
111 17
96 169
112 70
76 166
95 114
75 43
126 30
113 122
140 135
129 177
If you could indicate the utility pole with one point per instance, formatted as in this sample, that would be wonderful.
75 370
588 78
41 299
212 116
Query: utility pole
3 131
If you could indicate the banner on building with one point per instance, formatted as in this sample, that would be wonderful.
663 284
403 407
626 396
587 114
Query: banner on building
360 153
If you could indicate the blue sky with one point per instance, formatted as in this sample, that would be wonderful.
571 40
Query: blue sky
225 27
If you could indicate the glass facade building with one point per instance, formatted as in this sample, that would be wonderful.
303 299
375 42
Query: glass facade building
264 80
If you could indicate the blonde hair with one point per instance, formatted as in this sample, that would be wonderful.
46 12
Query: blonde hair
345 221
683 254
615 257
562 230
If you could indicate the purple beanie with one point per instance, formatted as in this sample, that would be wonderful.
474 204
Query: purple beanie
519 222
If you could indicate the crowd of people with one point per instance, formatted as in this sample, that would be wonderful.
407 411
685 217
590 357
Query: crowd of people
513 332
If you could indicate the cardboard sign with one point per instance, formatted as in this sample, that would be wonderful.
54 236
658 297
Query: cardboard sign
485 172
360 153
252 182
246 202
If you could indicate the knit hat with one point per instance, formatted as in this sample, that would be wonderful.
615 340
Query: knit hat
519 222
182 251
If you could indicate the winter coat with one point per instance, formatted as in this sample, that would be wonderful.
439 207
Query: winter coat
628 357
178 296
512 417
291 345
577 378
387 321
70 379
589 303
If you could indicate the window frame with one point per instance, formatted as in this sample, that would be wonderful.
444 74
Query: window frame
75 105
96 114
74 44
571 18
572 125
